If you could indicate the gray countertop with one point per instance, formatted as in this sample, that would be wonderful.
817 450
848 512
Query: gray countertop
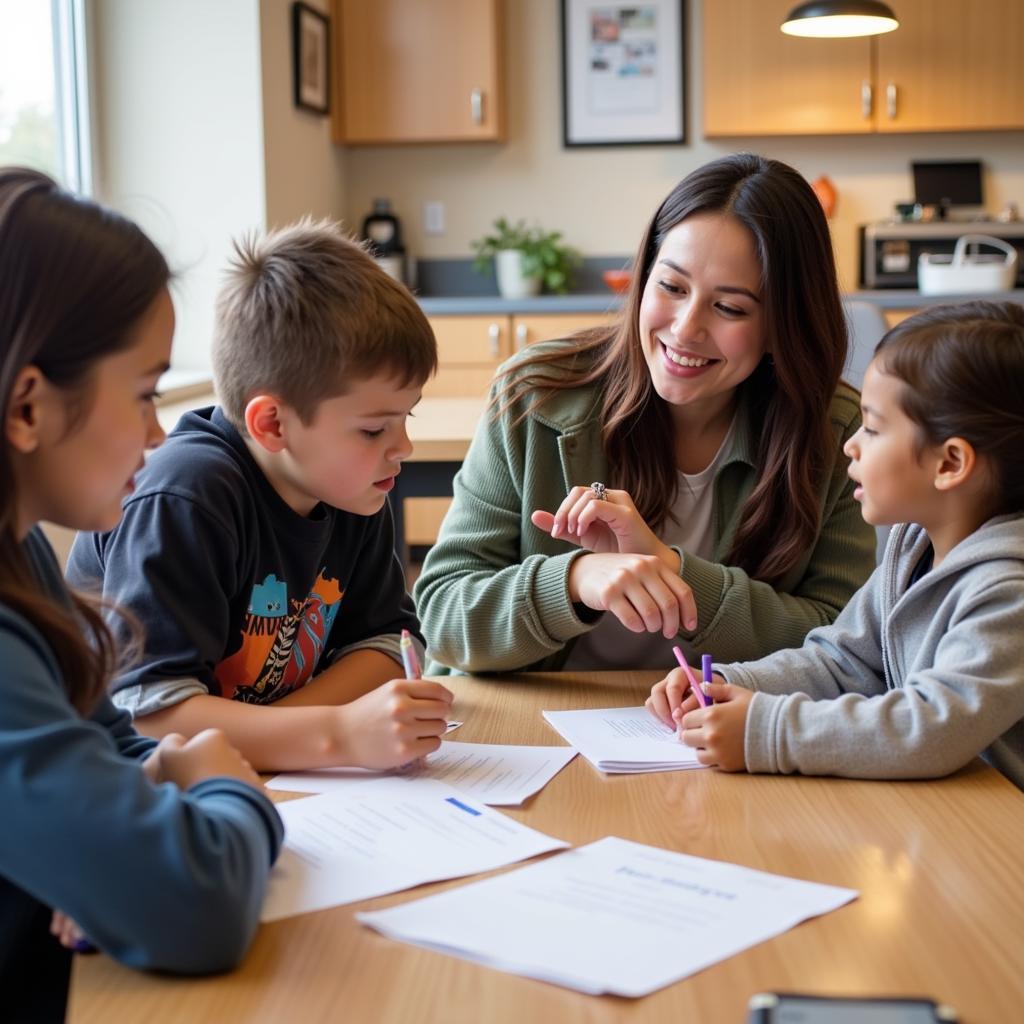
602 302
493 305
911 298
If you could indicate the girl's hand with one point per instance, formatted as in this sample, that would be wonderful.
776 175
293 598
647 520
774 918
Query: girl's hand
68 934
152 766
673 693
639 590
208 754
394 724
718 731
602 526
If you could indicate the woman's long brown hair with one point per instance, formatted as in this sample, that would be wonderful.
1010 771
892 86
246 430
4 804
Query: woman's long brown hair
789 393
76 279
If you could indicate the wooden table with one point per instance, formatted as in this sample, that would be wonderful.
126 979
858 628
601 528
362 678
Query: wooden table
937 864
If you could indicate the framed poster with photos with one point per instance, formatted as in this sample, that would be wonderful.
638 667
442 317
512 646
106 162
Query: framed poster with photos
623 73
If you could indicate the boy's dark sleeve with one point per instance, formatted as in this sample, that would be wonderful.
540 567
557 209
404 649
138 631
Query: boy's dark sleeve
172 565
376 607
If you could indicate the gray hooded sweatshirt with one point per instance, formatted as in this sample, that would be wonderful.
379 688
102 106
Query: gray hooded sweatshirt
910 681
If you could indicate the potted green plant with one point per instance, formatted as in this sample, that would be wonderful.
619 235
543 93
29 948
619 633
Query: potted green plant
525 259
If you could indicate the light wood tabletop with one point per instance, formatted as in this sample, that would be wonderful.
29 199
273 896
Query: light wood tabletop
441 428
940 912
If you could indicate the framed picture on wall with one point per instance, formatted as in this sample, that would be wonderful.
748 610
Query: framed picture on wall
311 62
623 73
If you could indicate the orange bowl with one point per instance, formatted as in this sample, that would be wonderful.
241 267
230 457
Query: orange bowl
617 280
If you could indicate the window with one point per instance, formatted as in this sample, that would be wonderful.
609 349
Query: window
44 119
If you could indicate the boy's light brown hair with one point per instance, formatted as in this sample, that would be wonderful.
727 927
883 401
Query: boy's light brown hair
304 314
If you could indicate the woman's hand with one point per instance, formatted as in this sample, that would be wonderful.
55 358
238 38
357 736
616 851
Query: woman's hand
394 724
717 732
639 590
611 524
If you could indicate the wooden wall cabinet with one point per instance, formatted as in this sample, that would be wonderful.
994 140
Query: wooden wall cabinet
470 348
950 66
409 71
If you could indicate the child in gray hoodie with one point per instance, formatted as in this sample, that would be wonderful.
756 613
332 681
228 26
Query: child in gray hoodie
922 671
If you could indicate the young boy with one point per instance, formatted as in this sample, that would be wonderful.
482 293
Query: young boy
258 548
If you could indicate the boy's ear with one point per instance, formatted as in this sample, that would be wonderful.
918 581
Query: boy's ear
22 416
263 416
956 464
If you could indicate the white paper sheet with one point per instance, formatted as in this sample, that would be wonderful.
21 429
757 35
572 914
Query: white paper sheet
386 835
623 740
497 774
615 916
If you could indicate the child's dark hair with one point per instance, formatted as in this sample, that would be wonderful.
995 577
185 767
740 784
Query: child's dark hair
303 313
962 367
76 279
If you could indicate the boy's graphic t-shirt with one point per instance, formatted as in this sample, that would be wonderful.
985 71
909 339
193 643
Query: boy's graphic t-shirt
239 596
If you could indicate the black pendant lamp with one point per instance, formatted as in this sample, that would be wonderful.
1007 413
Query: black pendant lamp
840 19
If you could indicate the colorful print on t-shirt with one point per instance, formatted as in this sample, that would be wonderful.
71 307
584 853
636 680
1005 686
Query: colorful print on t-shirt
282 641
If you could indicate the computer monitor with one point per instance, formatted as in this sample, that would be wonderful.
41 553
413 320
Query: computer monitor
945 183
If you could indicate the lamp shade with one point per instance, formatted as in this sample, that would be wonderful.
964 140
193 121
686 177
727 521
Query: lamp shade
840 19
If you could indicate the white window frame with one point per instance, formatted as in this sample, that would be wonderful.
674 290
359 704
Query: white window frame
72 94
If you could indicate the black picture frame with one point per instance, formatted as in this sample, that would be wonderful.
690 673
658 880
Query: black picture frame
311 59
623 73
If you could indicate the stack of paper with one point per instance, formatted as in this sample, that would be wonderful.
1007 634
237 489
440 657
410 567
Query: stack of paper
385 835
497 774
615 916
619 740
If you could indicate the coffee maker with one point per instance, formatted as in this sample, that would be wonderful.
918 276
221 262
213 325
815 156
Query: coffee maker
382 232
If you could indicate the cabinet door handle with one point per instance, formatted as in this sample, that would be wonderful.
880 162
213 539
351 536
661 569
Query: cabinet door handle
494 336
476 106
522 333
890 100
866 98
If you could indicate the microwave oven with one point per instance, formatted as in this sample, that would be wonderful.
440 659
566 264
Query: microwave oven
889 251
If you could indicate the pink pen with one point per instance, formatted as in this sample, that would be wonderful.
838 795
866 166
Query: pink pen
410 662
694 685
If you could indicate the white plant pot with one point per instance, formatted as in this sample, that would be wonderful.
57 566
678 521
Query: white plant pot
508 268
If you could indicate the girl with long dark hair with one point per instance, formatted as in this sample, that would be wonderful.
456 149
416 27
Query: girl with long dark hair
158 854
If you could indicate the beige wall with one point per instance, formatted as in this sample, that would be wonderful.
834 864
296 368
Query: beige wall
304 171
602 198
197 138
180 137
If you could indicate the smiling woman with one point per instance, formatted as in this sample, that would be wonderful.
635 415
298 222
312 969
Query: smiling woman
714 413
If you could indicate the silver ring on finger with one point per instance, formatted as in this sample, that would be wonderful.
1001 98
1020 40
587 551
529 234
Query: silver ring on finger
599 490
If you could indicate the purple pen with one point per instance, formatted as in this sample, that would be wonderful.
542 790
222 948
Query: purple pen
707 667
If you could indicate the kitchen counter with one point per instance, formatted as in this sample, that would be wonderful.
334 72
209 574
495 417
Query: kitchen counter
911 298
607 302
488 305
197 383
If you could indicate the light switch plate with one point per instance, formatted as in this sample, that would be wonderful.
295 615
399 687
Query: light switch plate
433 217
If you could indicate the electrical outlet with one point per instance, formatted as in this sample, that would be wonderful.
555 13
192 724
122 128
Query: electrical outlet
433 217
